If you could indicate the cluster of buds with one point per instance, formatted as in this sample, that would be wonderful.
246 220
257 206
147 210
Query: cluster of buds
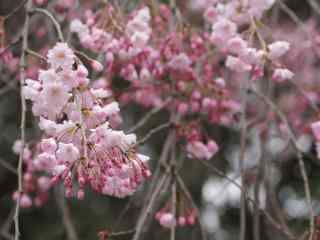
185 215
35 186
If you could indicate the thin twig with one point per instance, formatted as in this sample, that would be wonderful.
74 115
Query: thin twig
173 164
243 140
53 20
313 105
122 213
4 231
152 132
85 56
35 54
315 6
293 140
148 209
66 216
293 16
148 116
14 11
174 209
23 116
194 205
7 166
121 233
161 162
8 87
257 188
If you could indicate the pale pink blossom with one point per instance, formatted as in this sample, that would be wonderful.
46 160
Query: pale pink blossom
56 96
199 150
237 65
44 183
32 89
222 31
237 45
68 78
25 201
97 66
278 49
101 93
49 145
61 56
78 27
67 152
111 109
282 74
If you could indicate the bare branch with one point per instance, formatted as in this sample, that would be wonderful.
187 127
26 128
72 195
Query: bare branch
23 116
148 116
35 54
14 11
7 166
293 16
194 205
293 140
148 209
53 20
152 132
315 6
243 140
66 216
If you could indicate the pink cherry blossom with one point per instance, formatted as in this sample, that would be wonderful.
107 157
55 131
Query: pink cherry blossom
61 56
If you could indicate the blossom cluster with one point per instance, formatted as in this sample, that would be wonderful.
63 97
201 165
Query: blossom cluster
226 19
185 214
79 142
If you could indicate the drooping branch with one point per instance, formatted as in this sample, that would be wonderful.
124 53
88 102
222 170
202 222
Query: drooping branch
299 154
52 19
23 115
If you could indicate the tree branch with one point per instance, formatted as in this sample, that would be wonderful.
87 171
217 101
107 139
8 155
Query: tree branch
23 116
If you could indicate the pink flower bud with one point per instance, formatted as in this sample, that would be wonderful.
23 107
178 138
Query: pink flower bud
191 220
44 183
278 49
237 65
182 108
82 71
80 194
182 221
69 192
282 74
25 201
97 66
212 147
167 220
